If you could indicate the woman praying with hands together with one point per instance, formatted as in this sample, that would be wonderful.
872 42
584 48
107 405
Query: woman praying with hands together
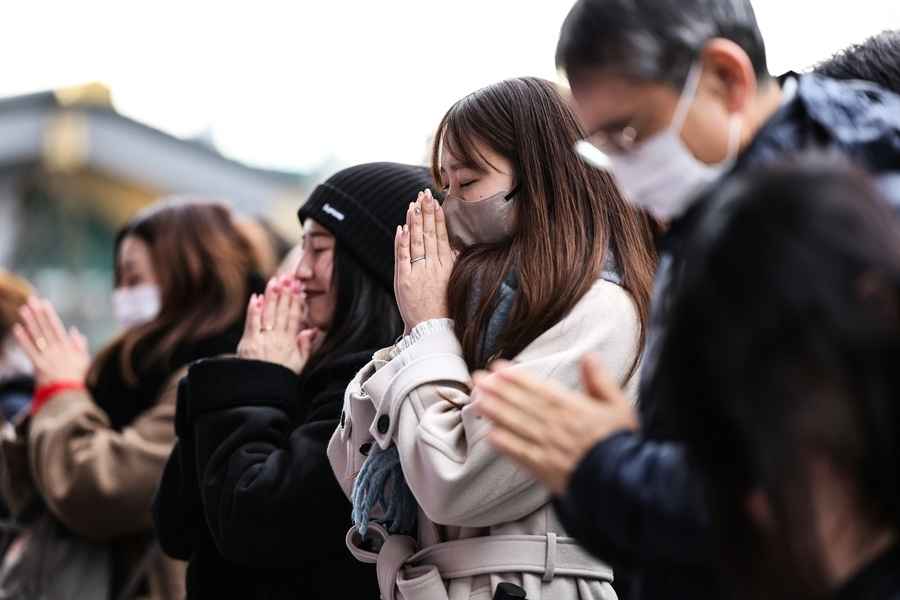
532 257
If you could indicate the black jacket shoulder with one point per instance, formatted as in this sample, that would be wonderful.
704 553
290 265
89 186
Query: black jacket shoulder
272 510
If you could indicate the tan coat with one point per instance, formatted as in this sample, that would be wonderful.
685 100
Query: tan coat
416 395
100 482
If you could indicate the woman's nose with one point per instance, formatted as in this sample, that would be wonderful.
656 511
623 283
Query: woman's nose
303 271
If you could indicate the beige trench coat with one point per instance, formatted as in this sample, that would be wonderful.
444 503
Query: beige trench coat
97 481
416 395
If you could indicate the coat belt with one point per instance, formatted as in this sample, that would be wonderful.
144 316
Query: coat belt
419 574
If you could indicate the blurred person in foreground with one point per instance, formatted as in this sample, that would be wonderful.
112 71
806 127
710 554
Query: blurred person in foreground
100 430
788 381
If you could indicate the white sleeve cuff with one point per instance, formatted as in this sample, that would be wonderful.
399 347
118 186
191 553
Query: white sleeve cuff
422 330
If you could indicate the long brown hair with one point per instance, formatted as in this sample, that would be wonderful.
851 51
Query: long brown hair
14 293
202 264
567 215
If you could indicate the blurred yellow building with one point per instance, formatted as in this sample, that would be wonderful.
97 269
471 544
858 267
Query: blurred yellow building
73 170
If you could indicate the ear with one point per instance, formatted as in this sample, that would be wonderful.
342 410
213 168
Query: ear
729 73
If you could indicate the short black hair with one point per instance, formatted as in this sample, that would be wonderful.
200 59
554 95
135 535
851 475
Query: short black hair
876 60
654 40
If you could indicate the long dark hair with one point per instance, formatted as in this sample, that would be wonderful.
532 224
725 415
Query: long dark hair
203 265
365 312
782 351
567 215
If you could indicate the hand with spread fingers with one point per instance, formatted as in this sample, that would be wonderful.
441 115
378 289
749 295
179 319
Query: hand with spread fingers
424 261
274 332
546 428
56 353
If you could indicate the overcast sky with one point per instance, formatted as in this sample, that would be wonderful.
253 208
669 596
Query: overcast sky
300 84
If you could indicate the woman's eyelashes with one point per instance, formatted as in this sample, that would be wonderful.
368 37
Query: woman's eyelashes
446 189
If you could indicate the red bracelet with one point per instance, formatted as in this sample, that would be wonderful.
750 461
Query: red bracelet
43 394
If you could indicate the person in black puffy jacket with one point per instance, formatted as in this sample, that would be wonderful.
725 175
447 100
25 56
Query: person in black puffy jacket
248 496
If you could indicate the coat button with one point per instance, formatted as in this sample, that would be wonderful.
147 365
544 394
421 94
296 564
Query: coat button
365 448
343 419
384 423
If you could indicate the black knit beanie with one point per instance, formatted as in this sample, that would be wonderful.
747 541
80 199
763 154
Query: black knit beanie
362 206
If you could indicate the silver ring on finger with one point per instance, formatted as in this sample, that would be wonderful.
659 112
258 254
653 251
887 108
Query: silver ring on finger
417 259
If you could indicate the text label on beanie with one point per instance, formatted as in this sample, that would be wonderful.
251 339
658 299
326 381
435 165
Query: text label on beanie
327 208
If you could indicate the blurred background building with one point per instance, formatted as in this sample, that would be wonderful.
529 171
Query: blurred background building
73 170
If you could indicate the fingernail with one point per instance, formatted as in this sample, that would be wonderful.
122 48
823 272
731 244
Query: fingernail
405 229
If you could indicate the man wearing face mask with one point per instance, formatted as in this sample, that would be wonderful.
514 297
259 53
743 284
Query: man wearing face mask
675 95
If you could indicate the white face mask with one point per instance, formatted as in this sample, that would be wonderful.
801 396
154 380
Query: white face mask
661 175
133 306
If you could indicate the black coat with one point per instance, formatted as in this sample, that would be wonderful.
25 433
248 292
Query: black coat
271 519
635 497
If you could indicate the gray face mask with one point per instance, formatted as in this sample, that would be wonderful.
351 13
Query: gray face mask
487 221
